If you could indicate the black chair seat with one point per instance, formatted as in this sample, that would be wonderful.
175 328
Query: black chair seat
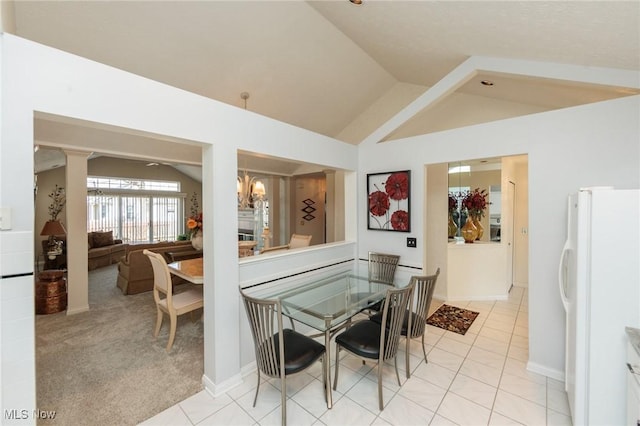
300 351
359 296
405 322
362 339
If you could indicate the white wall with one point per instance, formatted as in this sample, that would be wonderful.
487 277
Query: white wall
596 144
38 78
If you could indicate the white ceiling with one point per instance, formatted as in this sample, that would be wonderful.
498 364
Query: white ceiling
320 64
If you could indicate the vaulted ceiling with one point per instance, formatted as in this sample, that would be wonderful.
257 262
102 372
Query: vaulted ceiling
321 64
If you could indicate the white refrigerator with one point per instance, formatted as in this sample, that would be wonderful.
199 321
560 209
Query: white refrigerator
599 279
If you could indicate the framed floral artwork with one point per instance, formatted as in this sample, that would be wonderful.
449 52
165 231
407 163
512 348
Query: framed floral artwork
388 201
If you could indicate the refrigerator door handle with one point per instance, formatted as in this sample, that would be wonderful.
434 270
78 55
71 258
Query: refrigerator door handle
561 275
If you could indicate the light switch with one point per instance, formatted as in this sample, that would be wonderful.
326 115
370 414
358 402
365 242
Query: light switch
5 218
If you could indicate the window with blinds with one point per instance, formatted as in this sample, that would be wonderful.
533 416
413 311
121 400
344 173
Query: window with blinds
135 210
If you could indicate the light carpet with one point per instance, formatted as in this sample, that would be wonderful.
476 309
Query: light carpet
104 367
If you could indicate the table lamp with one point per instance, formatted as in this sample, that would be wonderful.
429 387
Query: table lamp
51 229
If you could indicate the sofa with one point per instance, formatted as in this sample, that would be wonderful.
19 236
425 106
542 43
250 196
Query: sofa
135 273
104 250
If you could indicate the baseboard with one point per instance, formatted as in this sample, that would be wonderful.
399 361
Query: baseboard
472 299
218 389
248 369
546 371
78 310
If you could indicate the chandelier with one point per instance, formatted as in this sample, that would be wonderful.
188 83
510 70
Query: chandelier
249 189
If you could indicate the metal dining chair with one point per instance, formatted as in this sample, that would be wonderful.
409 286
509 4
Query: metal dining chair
279 352
368 339
381 269
417 315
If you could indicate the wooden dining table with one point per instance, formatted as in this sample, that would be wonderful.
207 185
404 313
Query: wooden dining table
190 270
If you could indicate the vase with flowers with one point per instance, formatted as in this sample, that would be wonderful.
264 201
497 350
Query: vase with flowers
194 224
453 207
475 202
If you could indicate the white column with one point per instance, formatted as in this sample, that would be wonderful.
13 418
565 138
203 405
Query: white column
77 247
222 313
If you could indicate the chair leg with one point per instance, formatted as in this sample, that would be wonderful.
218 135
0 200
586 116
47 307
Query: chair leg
407 348
395 363
255 399
158 322
172 331
283 398
335 378
424 350
380 404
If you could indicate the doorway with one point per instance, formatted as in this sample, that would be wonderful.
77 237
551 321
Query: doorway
512 174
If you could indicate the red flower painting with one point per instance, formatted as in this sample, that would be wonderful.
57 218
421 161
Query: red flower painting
378 203
388 201
400 220
397 186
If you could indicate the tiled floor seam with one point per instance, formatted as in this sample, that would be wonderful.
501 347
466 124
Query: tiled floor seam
493 410
504 363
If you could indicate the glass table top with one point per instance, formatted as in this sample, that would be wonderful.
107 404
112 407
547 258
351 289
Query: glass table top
328 302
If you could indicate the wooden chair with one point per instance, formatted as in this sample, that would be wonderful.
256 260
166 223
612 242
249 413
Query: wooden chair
296 241
167 302
370 340
279 352
418 314
299 240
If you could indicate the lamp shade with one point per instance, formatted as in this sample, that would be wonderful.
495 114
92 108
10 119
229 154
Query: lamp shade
259 188
53 227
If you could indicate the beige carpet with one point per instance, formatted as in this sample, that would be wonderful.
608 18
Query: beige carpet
104 367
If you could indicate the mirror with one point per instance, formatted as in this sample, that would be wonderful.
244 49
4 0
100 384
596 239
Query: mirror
465 176
295 198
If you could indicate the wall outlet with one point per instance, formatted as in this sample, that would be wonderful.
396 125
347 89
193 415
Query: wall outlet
411 242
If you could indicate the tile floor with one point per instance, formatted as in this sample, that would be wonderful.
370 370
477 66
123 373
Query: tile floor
476 379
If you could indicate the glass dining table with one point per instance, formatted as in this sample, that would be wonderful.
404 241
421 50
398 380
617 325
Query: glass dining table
326 304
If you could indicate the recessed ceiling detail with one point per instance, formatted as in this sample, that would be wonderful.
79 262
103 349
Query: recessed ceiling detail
345 58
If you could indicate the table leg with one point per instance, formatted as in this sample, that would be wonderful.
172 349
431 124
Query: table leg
327 365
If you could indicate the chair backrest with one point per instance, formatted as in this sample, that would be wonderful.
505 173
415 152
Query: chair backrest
161 277
422 294
382 267
298 240
265 319
396 304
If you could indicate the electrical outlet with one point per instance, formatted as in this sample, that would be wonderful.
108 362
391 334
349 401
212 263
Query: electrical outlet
411 242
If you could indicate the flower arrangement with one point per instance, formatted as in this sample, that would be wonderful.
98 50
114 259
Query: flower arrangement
194 222
58 200
475 202
453 203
